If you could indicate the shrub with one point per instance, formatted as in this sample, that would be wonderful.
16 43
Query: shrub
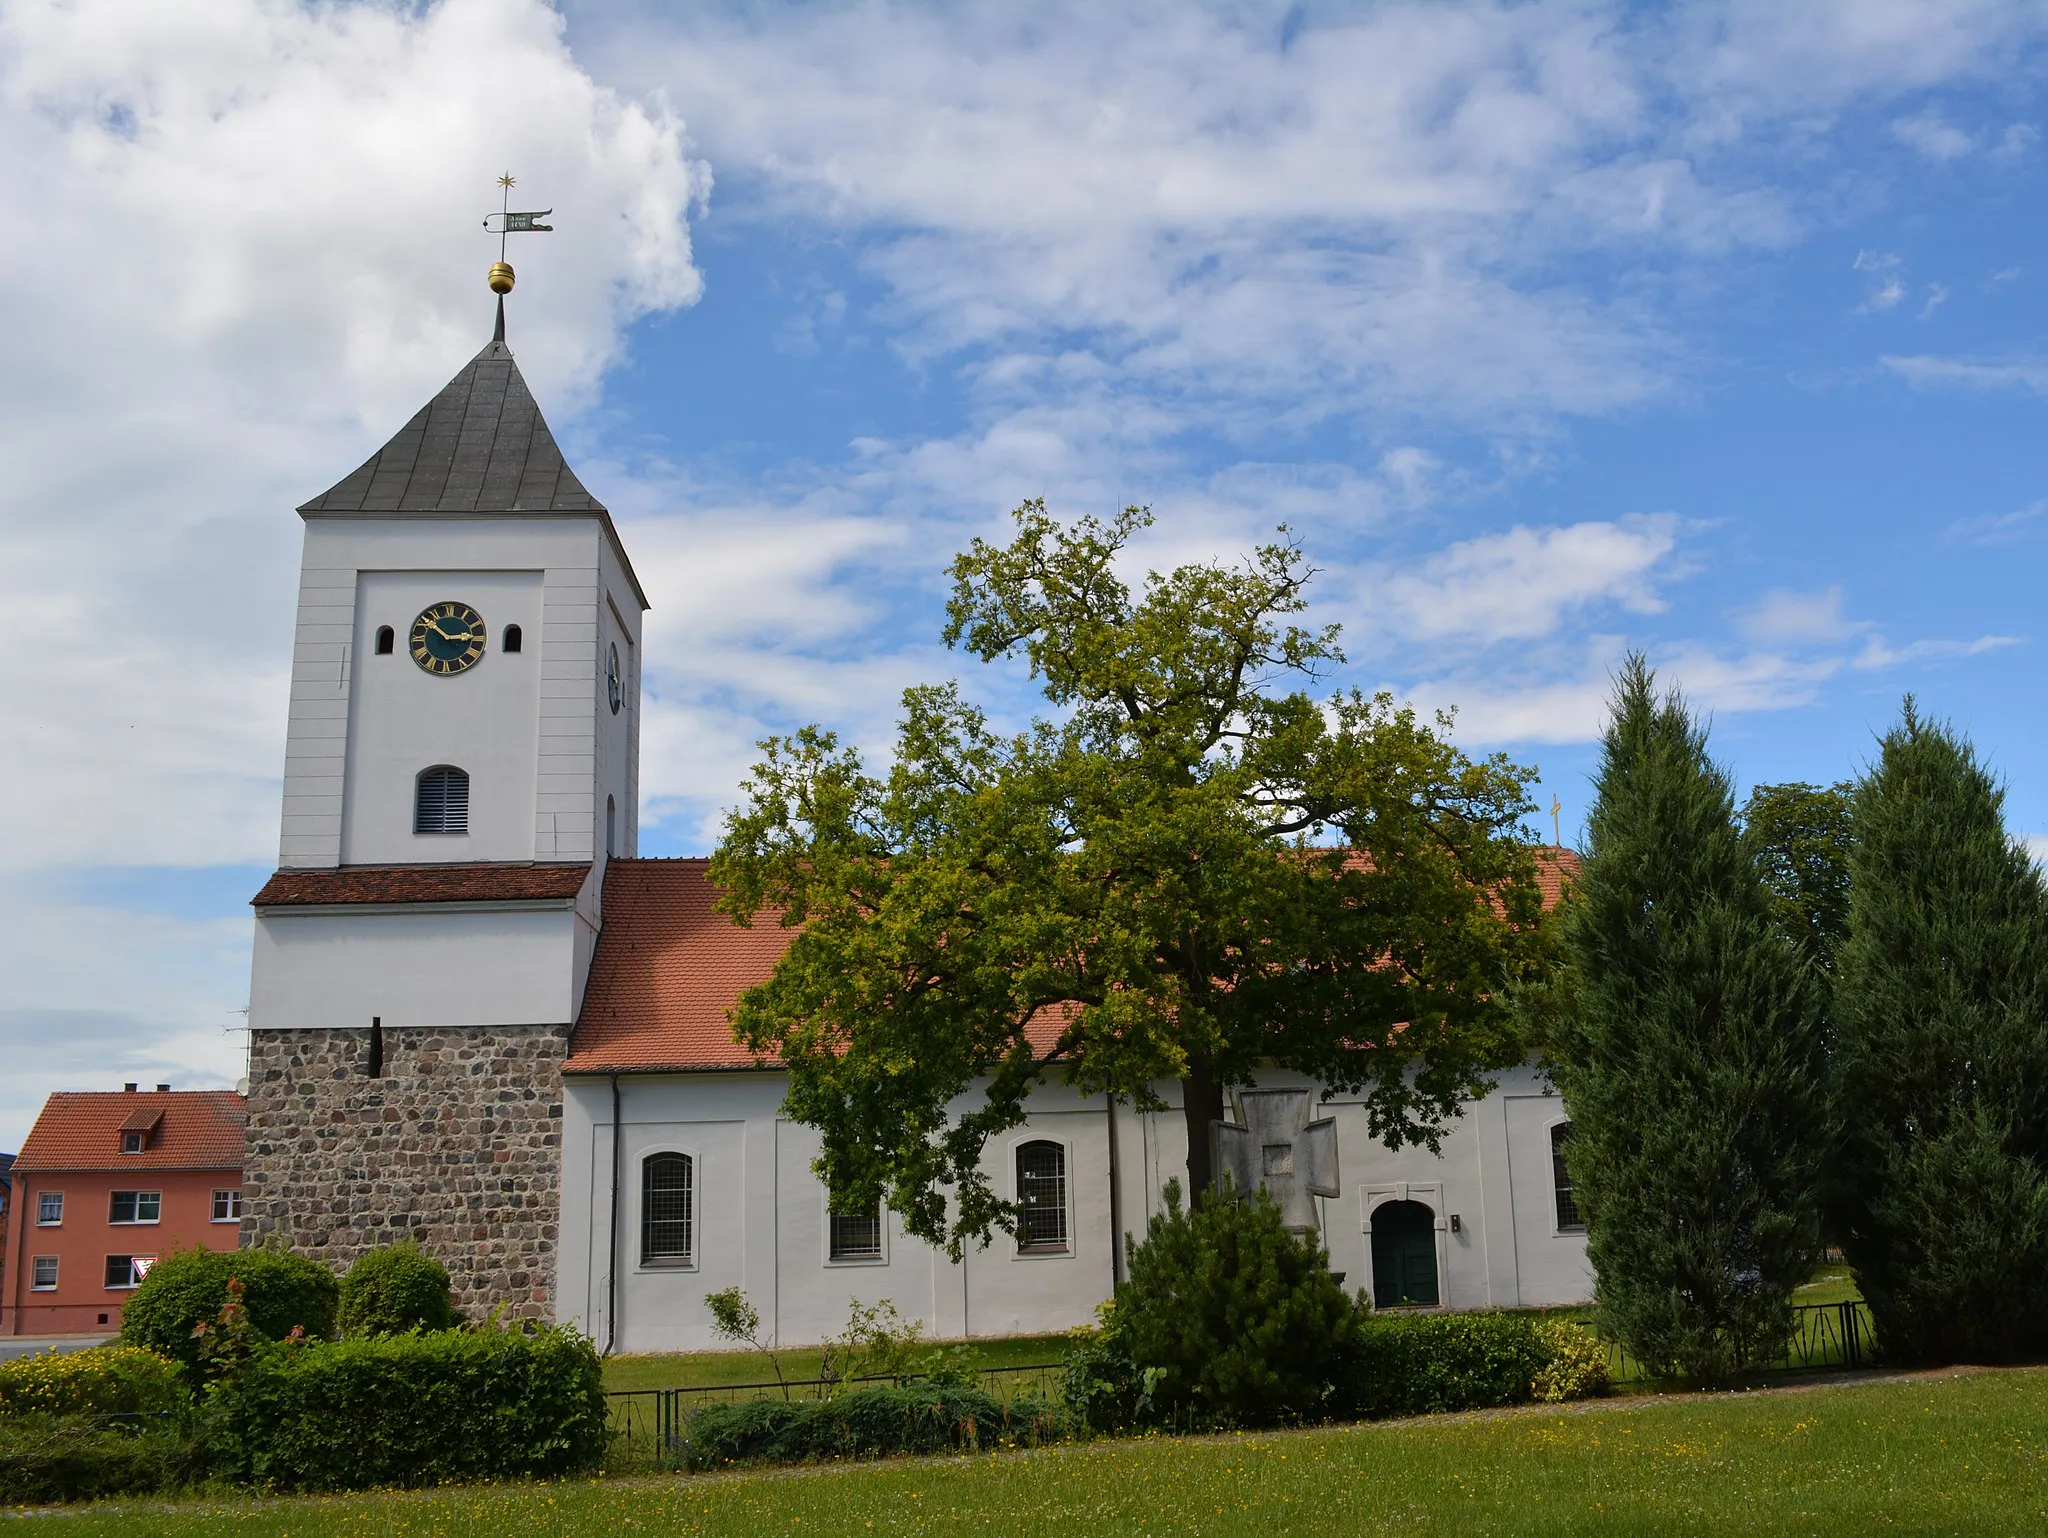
1228 1317
1940 993
47 1457
919 1417
1575 1365
190 1287
122 1381
396 1288
416 1409
1423 1364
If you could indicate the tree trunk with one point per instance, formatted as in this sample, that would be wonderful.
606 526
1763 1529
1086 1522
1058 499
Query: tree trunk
1201 1096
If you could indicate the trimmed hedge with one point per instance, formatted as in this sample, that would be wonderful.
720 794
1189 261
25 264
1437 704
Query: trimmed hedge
186 1288
393 1289
415 1409
1421 1364
77 1457
106 1381
869 1423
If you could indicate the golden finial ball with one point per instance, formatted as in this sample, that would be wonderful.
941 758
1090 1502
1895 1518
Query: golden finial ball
501 278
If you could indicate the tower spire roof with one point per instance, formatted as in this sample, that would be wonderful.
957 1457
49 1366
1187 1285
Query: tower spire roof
480 446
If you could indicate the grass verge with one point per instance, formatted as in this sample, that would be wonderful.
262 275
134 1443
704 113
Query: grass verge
1951 1452
716 1369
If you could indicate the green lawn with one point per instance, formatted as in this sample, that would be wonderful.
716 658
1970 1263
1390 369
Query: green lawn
698 1369
1832 1283
1951 1453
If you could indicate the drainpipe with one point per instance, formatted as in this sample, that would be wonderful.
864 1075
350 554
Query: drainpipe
1116 1199
611 1263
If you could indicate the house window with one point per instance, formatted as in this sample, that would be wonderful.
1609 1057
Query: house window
513 639
857 1235
49 1208
1042 1193
128 1270
136 1207
134 1142
441 801
384 640
665 1209
43 1274
1568 1214
227 1206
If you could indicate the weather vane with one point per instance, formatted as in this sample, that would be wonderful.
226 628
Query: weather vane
510 223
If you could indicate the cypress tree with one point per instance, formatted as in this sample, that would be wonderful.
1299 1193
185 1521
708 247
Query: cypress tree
1941 1008
1691 1058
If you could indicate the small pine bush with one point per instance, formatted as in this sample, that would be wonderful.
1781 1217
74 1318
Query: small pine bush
396 1288
187 1288
1228 1317
107 1381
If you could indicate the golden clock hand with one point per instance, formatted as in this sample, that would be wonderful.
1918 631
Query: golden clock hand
444 635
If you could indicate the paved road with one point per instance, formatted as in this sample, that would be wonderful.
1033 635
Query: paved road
12 1346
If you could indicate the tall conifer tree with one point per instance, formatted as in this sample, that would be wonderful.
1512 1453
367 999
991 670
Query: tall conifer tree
1691 1059
1941 1005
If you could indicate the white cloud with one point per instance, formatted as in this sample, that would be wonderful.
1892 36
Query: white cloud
1999 528
1782 616
1932 135
1925 371
1937 296
1888 288
1877 654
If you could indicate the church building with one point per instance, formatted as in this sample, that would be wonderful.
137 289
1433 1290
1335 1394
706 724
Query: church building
479 1019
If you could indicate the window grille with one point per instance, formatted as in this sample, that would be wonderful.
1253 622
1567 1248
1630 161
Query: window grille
441 803
384 640
1042 1193
49 1207
1568 1215
857 1235
513 639
127 1270
43 1277
136 1207
227 1206
666 1209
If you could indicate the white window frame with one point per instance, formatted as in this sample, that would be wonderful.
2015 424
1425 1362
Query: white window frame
133 1281
46 1200
138 1221
1557 1229
879 1258
134 1142
637 1231
1018 1251
35 1267
233 1204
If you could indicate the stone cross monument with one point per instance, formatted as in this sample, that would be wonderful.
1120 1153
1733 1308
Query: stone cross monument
1278 1148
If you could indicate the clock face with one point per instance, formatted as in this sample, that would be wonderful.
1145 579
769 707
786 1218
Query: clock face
612 691
447 638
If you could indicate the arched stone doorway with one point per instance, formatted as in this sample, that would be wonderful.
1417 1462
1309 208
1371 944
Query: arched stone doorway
1403 1255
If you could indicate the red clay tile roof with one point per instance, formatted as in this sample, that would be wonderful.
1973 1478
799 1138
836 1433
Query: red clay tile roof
420 884
669 967
201 1129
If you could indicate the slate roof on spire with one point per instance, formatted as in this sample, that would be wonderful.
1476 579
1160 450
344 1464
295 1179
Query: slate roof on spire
480 446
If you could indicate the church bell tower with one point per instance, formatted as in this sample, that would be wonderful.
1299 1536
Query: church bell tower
461 762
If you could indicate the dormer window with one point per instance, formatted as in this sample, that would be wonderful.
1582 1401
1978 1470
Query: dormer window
138 1129
441 802
133 1142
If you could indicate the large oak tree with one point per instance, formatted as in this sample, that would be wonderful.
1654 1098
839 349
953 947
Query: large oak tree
1190 869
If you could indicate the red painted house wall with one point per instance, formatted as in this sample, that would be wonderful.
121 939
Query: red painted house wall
75 1149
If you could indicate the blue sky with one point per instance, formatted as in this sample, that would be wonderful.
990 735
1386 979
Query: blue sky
1552 330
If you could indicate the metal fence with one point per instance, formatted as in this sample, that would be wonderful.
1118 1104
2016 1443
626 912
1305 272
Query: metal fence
649 1425
1824 1335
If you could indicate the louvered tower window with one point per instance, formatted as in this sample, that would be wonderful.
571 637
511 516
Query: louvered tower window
441 804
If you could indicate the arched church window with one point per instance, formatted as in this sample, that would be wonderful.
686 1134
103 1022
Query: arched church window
1568 1214
1042 1193
384 640
441 801
514 636
666 1209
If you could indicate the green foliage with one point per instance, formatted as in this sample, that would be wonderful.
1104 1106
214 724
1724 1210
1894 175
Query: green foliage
1422 1364
734 1318
77 1457
1692 1058
1575 1363
188 1288
396 1288
1241 1319
416 1409
1156 867
1800 837
918 1417
1941 1004
120 1381
877 1342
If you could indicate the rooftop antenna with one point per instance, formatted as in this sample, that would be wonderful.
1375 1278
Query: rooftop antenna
509 223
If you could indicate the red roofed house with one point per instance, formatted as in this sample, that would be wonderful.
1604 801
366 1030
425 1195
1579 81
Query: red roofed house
104 1185
477 1020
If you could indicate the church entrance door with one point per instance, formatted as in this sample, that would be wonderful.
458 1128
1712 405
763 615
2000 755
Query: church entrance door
1403 1255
